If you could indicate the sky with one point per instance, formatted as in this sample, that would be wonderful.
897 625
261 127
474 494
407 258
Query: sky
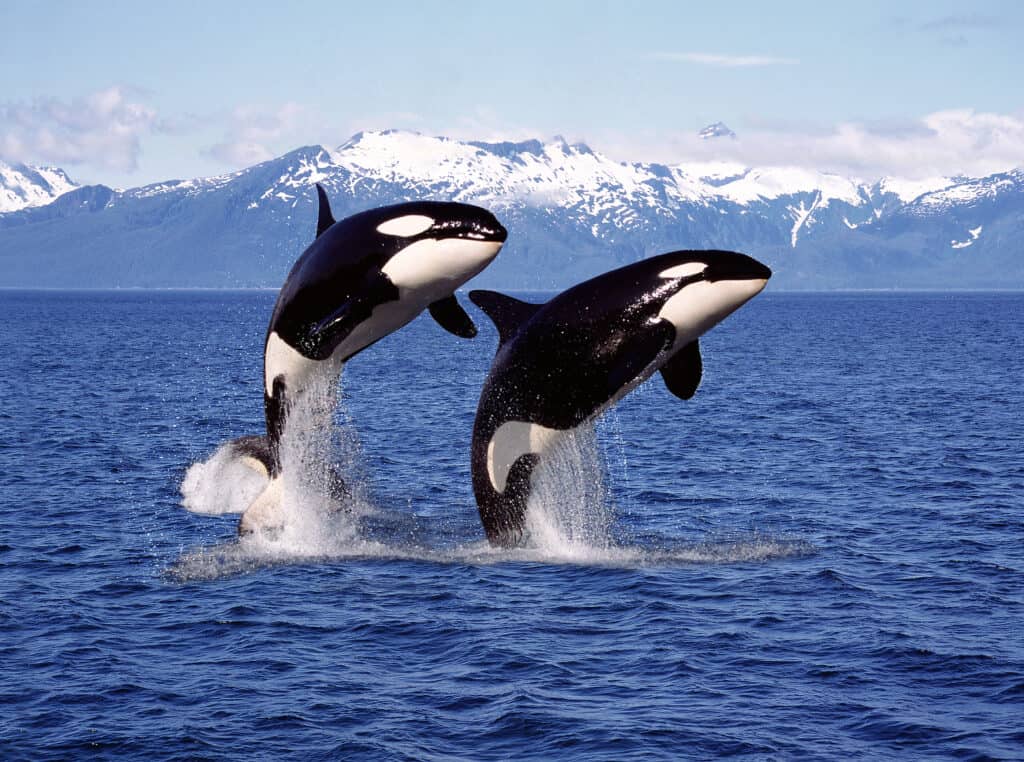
128 93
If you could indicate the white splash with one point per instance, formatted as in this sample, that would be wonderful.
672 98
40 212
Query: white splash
249 554
568 514
570 518
311 508
222 483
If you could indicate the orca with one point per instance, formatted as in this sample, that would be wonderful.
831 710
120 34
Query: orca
362 278
559 365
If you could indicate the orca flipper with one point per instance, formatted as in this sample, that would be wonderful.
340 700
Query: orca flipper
324 218
644 349
449 315
255 452
332 330
683 371
505 312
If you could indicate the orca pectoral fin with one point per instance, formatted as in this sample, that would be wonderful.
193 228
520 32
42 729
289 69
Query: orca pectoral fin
683 371
506 313
449 315
325 336
643 349
340 322
324 217
255 452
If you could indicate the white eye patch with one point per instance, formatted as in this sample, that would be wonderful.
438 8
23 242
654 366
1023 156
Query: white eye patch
406 225
681 271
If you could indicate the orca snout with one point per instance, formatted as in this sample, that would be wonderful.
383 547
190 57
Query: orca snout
497 232
731 265
473 223
484 226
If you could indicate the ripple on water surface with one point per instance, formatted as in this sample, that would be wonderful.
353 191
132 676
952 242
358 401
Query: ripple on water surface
817 556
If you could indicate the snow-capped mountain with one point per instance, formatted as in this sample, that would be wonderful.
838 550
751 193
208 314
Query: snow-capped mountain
22 185
717 130
571 211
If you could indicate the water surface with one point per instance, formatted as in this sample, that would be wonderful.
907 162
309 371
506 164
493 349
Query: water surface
819 555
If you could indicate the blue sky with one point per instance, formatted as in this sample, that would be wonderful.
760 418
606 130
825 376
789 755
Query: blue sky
126 93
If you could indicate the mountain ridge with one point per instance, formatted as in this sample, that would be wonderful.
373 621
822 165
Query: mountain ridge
24 185
571 212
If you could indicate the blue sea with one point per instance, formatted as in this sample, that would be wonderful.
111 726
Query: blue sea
821 555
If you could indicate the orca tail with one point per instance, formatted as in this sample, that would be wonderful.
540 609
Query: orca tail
264 513
255 452
229 479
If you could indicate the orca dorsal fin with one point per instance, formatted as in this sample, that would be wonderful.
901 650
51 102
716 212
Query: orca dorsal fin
506 312
324 219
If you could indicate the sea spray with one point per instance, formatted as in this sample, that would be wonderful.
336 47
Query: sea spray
221 484
569 512
319 491
570 517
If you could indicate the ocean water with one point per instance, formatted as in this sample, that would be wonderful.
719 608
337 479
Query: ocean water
820 555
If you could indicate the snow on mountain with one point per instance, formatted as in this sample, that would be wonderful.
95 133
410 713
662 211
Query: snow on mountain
535 173
969 191
605 194
909 190
187 187
716 130
715 173
573 175
973 235
773 182
572 212
532 172
23 186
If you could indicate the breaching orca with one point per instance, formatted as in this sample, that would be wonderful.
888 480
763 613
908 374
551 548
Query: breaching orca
362 278
563 363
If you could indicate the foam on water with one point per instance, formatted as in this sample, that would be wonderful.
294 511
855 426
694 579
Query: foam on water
570 518
704 630
247 554
318 495
221 484
568 514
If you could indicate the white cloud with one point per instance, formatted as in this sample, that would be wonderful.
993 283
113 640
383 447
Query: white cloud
103 129
239 153
106 129
258 133
726 61
482 123
953 142
961 21
486 124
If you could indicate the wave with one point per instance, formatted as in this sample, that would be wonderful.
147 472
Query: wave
248 554
570 517
320 476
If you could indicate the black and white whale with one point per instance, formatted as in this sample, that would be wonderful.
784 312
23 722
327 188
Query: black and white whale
363 277
561 364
